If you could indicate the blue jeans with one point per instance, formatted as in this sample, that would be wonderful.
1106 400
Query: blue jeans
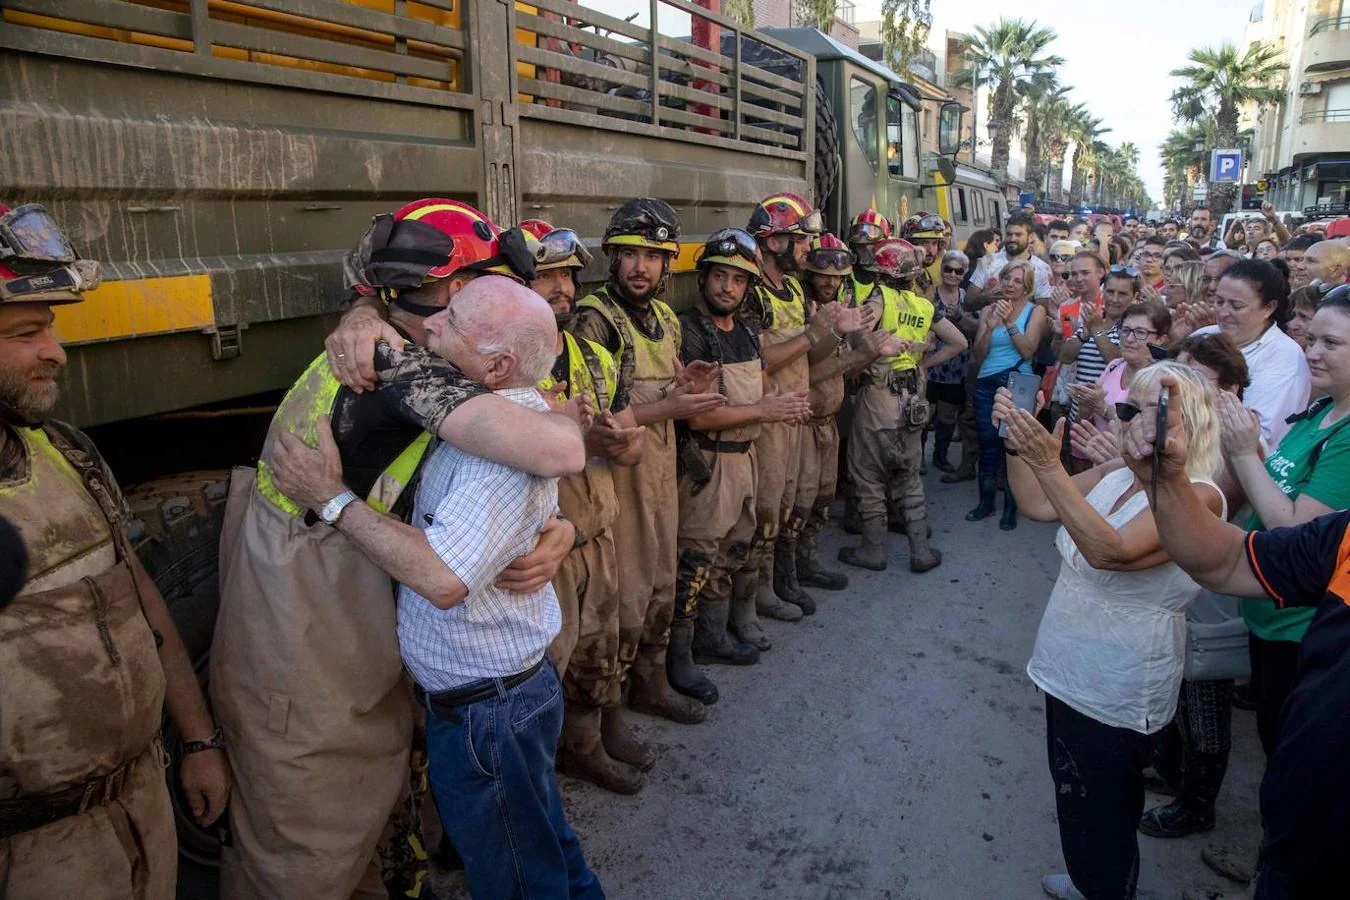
493 779
992 458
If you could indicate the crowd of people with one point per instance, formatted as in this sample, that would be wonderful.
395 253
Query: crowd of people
499 511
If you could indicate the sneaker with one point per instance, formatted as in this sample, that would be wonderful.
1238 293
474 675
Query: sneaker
1060 886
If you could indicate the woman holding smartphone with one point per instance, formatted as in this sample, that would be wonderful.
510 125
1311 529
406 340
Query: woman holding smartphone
1010 330
1142 326
1110 650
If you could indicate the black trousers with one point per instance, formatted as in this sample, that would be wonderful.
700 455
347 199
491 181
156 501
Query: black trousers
1098 772
1274 671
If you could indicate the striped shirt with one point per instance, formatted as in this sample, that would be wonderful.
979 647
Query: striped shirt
479 515
1090 365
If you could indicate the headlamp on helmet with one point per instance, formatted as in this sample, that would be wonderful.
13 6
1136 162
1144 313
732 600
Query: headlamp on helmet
644 222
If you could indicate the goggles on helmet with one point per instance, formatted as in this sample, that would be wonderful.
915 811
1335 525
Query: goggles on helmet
562 247
928 226
811 223
63 284
829 262
866 233
29 234
733 247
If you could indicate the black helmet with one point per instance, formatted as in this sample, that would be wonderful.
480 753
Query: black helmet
644 222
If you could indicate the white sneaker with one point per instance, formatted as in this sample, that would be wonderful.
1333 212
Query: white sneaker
1060 886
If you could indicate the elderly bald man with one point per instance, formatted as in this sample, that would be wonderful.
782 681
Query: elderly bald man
1328 262
477 651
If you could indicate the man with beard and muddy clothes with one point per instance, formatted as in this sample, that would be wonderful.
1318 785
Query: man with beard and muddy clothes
627 317
828 265
90 657
891 410
784 226
717 476
306 673
586 650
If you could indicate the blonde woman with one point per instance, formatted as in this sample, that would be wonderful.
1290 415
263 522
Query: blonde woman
1110 650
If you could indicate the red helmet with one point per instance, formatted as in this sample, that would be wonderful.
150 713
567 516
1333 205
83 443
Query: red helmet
868 227
784 214
477 244
830 256
37 262
895 258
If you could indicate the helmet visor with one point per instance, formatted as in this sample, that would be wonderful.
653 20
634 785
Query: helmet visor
932 223
811 223
830 260
865 233
29 233
562 245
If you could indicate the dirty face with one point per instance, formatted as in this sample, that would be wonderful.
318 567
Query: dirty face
825 288
559 288
30 358
788 250
724 288
929 246
639 272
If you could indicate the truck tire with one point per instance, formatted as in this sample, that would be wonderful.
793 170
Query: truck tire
827 147
176 534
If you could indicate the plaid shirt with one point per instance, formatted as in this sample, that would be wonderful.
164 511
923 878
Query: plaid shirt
479 515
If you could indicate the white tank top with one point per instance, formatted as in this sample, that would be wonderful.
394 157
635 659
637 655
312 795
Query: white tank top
1112 644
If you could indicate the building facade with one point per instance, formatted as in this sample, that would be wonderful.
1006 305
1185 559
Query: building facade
1301 147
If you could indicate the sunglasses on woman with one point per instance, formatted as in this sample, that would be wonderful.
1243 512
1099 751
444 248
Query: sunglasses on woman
1131 271
1061 257
953 270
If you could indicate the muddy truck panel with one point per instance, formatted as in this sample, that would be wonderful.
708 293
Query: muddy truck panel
219 158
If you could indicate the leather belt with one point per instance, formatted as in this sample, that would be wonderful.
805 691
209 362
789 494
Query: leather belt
707 443
29 813
445 703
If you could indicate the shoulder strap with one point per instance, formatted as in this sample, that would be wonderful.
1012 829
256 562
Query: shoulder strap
63 438
1316 453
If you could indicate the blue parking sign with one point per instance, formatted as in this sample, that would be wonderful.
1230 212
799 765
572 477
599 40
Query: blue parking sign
1225 166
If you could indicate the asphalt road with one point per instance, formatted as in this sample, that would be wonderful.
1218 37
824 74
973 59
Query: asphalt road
891 746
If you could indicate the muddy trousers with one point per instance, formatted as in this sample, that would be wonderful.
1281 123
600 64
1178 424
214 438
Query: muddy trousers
884 468
777 453
126 850
644 543
586 650
817 476
1098 772
717 523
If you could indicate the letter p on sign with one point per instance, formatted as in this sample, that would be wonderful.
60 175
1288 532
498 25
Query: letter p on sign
1225 166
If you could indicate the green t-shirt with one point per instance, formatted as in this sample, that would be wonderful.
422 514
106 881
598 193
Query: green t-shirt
1328 482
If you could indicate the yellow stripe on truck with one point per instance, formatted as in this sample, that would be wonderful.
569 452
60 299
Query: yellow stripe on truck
138 307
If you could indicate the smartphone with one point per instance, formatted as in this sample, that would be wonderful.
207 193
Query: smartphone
1023 386
1159 439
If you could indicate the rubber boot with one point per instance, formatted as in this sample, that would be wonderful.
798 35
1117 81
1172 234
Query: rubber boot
1008 521
581 754
988 496
652 694
852 515
712 644
923 452
872 553
617 737
769 605
921 556
966 470
744 620
684 676
785 577
942 442
1193 810
808 565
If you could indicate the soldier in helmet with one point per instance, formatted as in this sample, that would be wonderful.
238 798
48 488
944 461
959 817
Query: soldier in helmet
928 232
627 317
829 264
90 657
784 226
867 228
717 462
890 412
586 650
320 740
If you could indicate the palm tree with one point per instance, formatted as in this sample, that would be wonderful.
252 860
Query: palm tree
1057 126
1085 128
1219 83
1036 96
1004 55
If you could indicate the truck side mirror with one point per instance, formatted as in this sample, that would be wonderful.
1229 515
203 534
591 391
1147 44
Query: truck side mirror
949 128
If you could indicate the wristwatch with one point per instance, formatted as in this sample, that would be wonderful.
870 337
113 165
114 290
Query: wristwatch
332 510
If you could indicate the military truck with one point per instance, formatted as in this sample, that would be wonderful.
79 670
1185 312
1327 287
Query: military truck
219 157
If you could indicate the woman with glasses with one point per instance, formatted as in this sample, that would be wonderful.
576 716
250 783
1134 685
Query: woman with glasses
1266 249
1010 330
947 380
1142 325
1110 649
1251 303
